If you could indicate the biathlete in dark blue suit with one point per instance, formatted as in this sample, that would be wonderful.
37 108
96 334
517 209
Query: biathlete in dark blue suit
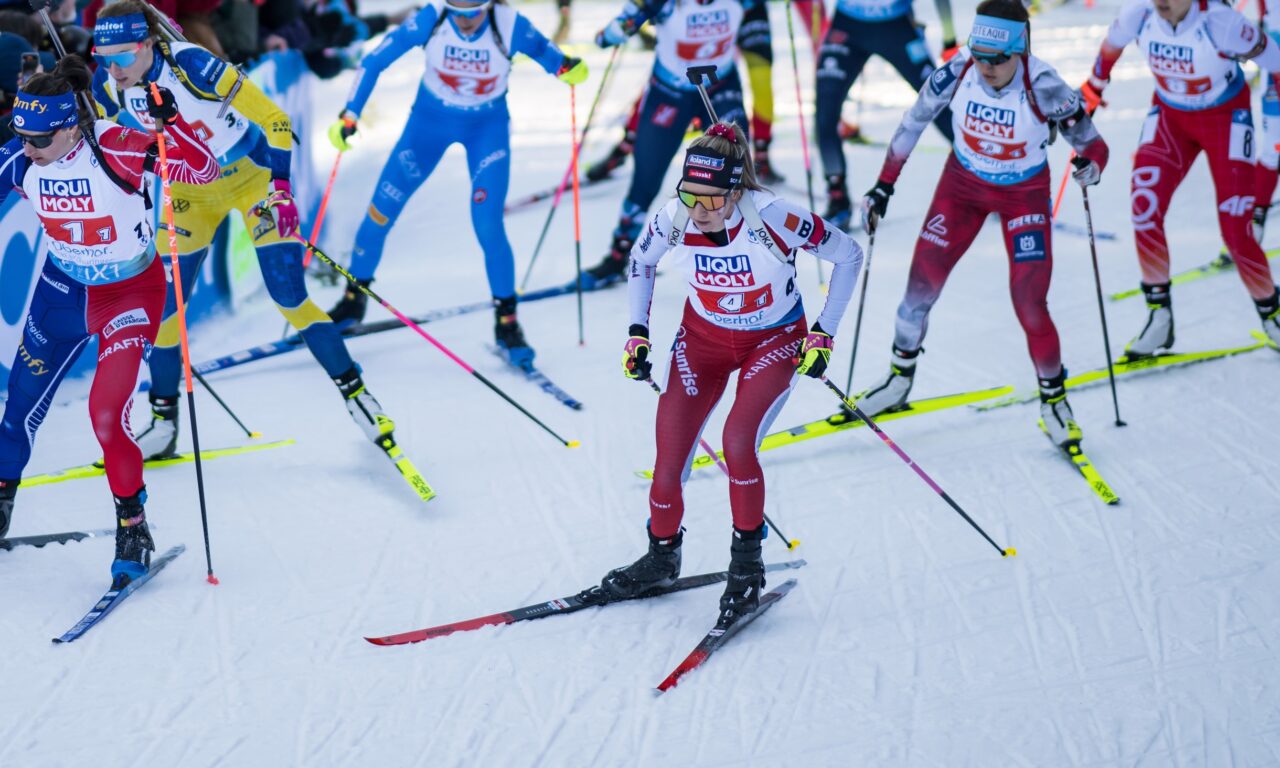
463 99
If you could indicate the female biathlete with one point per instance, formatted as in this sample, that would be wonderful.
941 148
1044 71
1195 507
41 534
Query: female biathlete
735 245
1003 102
1201 103
102 277
860 29
690 33
251 137
463 99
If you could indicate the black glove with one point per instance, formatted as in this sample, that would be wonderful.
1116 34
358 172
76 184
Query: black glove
635 355
875 204
164 111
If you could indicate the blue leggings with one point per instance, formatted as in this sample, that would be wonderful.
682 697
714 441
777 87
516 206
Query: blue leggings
431 129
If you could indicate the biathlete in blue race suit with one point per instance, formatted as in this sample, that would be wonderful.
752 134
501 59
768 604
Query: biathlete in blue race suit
462 99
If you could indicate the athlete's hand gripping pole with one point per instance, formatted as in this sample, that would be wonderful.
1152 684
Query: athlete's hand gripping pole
1097 284
447 352
791 543
859 413
167 198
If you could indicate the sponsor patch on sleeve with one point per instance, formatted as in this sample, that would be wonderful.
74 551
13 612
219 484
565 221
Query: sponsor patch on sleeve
941 79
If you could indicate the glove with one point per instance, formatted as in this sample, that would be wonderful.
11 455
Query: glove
166 110
611 35
1087 172
815 353
282 208
1091 92
949 50
342 129
573 70
875 204
635 355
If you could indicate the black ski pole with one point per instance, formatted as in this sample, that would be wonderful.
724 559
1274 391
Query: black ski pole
862 298
1097 284
248 432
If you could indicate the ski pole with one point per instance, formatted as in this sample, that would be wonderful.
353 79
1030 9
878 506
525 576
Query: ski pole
862 297
555 203
695 75
167 196
324 204
577 205
859 413
804 136
791 543
248 432
447 352
1102 311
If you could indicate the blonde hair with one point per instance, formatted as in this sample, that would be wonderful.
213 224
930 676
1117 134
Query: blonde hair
737 149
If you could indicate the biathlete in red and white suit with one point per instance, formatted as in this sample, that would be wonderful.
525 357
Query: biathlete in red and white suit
102 277
735 246
1201 103
1003 102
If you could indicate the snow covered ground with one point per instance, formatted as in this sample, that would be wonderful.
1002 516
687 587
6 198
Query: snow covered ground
1142 634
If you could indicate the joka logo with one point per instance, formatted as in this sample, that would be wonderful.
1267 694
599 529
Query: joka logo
1169 59
66 196
983 120
723 271
465 59
708 24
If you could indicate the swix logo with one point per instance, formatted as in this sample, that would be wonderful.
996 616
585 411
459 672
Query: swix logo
1171 59
1237 205
984 120
66 196
723 271
460 59
708 24
664 115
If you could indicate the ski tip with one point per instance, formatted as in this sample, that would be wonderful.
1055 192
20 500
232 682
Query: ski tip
573 444
1010 552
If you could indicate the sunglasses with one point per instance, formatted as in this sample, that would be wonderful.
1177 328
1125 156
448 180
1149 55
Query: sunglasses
123 59
991 58
710 203
38 140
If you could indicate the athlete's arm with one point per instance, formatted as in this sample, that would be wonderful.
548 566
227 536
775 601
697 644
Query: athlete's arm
634 14
1123 30
526 39
1237 37
645 255
1064 106
189 160
414 32
934 97
799 228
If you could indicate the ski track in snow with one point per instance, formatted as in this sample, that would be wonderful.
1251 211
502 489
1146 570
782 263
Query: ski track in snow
1143 634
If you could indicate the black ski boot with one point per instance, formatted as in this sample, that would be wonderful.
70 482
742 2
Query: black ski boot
659 567
1269 312
8 489
613 267
351 307
764 169
614 160
746 576
839 209
508 334
133 540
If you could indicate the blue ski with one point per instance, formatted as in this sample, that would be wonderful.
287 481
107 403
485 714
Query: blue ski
114 597
538 377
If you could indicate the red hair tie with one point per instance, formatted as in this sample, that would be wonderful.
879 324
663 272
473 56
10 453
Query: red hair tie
724 132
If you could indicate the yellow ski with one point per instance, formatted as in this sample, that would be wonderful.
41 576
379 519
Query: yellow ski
95 470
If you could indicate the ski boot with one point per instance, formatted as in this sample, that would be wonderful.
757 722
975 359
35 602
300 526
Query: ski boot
160 439
8 489
888 395
1269 311
764 169
851 132
839 209
351 307
133 540
1055 412
658 568
508 334
611 268
364 409
746 576
1157 334
614 160
1260 221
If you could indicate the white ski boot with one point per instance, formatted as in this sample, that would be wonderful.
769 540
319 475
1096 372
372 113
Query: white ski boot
1157 334
160 439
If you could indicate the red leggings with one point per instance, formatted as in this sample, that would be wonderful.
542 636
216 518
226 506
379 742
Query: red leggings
1171 140
126 317
701 360
959 208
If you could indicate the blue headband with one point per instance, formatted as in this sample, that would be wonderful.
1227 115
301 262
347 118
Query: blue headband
44 114
1001 35
113 30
